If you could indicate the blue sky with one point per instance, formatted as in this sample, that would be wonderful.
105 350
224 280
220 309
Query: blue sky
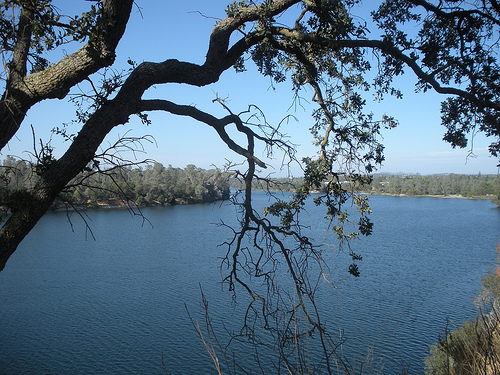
161 30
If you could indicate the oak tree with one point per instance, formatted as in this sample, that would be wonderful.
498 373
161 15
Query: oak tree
322 45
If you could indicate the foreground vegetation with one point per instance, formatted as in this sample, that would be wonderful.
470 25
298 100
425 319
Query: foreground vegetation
152 185
474 347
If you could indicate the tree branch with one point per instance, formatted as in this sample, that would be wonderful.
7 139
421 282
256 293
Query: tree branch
17 67
389 49
218 124
219 39
453 14
57 80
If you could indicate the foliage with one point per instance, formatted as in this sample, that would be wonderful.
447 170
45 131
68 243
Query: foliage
455 46
49 29
474 347
321 46
152 185
468 186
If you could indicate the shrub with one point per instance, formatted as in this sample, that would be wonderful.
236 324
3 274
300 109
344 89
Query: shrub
473 348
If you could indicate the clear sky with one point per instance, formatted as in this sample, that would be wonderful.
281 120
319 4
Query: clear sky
160 30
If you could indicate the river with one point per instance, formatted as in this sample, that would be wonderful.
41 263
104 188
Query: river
115 305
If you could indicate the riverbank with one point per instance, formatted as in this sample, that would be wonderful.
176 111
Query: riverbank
493 198
116 204
453 196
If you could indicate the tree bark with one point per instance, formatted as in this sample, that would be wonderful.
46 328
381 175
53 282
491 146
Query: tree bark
55 82
36 202
23 91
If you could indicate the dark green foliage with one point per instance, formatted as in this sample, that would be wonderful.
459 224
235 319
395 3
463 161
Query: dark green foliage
15 181
49 29
153 185
455 46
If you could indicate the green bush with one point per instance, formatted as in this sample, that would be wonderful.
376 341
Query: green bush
473 348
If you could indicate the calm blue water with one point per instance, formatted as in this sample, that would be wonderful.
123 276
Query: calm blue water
113 306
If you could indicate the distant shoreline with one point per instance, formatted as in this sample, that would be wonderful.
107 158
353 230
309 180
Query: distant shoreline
116 204
493 198
452 196
182 202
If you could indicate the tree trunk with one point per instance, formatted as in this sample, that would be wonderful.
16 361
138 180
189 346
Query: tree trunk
23 91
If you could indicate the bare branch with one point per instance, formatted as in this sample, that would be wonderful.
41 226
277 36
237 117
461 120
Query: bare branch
218 124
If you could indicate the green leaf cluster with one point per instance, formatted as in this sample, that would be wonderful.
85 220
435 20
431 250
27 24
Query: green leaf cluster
455 46
50 29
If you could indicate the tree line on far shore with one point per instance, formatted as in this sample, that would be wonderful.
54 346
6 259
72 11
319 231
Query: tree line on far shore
153 184
156 184
468 186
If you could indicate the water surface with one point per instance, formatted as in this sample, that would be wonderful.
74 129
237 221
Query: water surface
114 305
